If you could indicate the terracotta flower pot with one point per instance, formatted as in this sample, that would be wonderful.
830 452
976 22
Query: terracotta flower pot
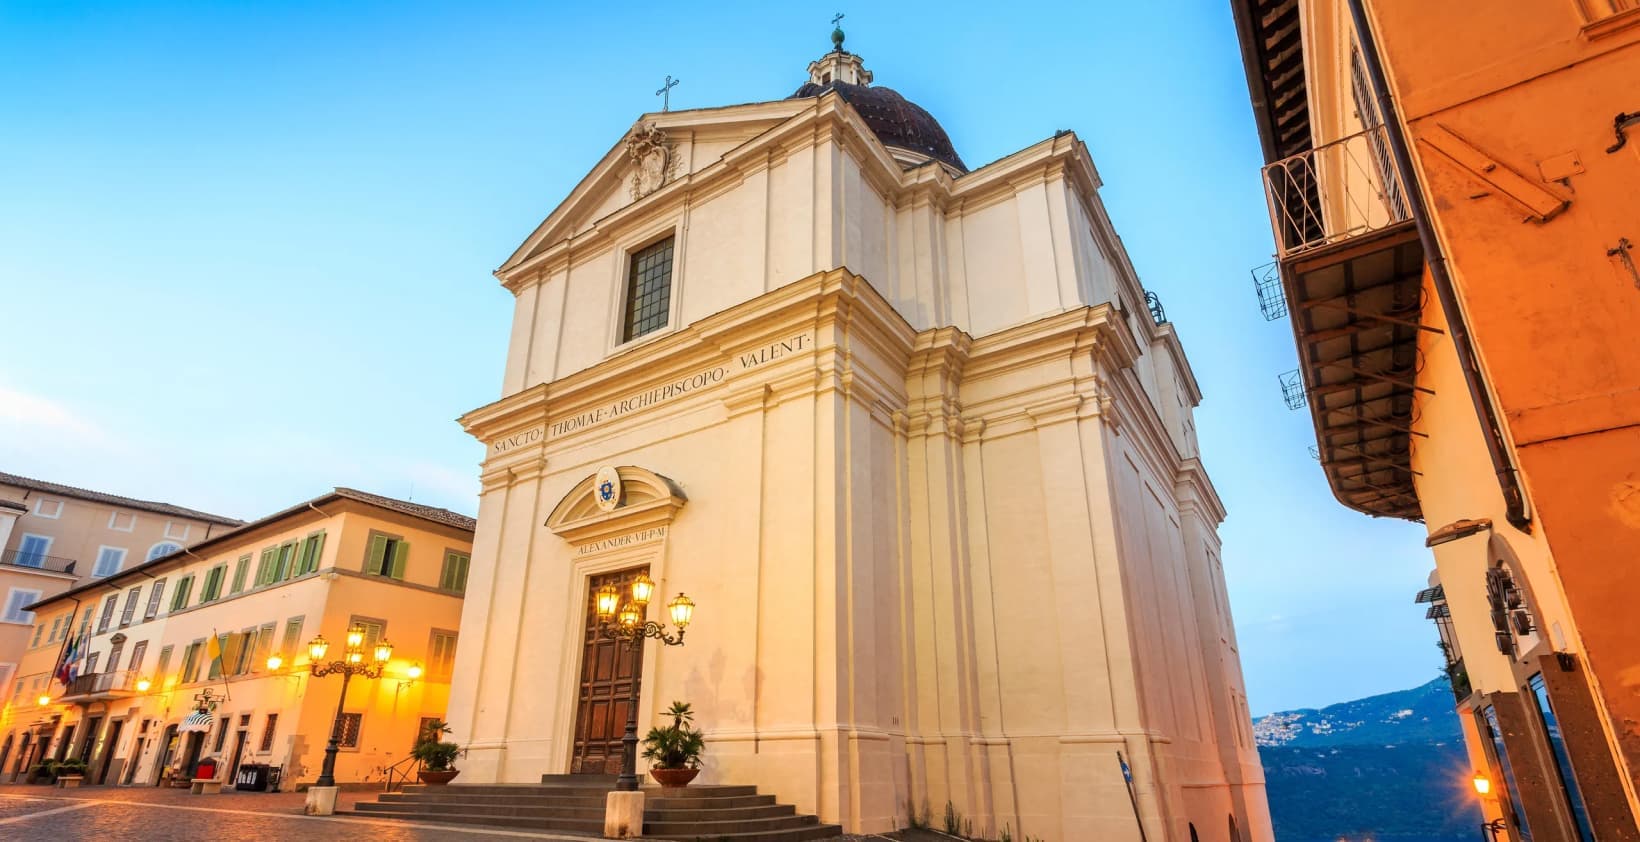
438 778
674 778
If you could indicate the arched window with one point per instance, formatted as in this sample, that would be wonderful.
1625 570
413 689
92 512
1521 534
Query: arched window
162 548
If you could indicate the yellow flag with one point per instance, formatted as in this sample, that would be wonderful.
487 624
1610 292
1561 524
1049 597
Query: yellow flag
213 647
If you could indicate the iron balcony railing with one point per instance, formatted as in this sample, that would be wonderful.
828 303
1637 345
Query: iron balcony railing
37 561
122 681
1333 193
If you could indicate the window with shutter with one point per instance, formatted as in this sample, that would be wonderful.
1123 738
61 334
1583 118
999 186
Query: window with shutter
376 554
137 653
212 588
312 547
107 618
163 664
185 590
386 556
293 637
109 561
265 567
441 654
236 653
453 577
401 552
129 613
91 663
284 561
240 569
373 630
221 658
264 646
16 598
156 592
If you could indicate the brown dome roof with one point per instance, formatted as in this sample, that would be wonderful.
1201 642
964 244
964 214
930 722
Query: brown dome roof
897 121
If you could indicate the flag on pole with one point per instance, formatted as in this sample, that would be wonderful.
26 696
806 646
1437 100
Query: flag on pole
65 666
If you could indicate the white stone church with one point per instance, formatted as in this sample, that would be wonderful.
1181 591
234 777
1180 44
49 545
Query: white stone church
909 436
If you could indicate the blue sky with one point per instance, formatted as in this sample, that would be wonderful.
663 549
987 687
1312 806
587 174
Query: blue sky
245 249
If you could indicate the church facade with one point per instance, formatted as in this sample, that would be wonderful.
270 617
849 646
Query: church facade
909 437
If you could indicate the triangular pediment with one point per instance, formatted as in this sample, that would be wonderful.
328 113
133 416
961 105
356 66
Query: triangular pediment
630 172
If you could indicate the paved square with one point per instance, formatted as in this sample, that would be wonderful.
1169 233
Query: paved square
42 814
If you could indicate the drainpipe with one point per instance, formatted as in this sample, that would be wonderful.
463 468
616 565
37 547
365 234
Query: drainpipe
1502 463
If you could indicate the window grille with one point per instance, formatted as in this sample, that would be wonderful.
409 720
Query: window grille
648 290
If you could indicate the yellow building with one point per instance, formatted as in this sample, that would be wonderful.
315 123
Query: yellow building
1453 201
142 642
55 535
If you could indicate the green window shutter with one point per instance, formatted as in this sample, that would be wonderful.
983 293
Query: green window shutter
239 570
184 592
377 554
311 548
401 549
287 554
264 567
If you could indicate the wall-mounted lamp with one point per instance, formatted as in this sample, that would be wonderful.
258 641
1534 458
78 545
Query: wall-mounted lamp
1458 529
44 700
1483 784
143 684
275 661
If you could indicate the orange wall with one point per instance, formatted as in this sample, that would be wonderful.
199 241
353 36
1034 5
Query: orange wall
1553 314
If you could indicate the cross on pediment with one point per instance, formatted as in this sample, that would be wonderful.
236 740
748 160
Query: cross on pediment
665 93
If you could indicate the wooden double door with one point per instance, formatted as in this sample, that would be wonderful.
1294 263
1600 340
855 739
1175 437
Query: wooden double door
610 674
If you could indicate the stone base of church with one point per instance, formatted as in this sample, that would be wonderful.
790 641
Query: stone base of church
623 815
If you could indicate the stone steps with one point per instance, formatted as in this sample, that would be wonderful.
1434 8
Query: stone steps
575 804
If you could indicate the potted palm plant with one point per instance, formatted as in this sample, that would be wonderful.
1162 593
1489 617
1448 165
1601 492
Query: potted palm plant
44 772
70 772
437 757
674 751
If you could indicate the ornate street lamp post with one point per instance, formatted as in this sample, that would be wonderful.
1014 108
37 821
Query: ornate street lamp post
352 663
624 623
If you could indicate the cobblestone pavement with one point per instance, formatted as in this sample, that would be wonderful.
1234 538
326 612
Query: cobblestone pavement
149 814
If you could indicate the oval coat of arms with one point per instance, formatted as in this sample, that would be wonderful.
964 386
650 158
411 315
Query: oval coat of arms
606 488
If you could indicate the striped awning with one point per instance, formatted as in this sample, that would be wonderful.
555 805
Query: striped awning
199 720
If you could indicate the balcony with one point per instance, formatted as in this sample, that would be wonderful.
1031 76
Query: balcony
36 561
1351 273
1333 194
99 686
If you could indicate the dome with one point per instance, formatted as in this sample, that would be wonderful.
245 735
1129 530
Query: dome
898 122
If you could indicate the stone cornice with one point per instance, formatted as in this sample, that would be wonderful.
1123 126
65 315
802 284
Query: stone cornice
1097 330
1181 364
1193 488
844 317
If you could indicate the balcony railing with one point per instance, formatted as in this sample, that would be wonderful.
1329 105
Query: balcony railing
121 683
37 561
1333 193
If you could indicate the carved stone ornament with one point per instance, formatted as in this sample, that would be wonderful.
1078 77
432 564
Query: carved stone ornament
652 157
607 489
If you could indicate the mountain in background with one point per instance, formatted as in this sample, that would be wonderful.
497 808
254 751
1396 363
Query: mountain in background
1422 715
1391 768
